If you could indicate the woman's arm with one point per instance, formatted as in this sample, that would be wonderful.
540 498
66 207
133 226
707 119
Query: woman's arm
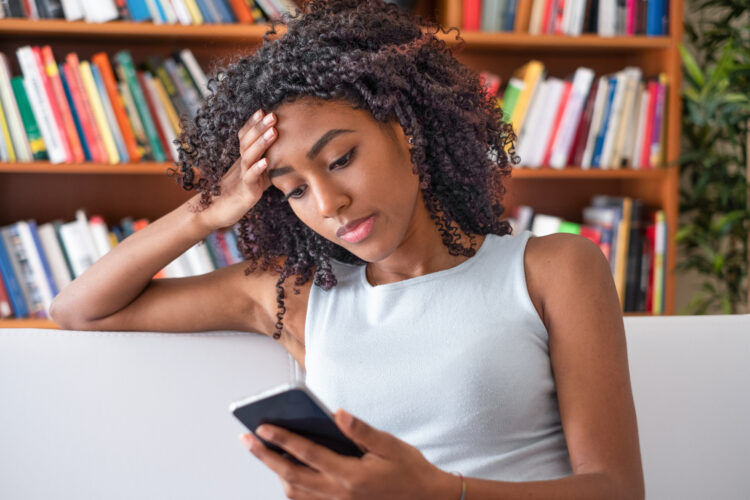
571 280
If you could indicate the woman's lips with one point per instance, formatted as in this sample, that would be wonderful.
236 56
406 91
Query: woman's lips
360 231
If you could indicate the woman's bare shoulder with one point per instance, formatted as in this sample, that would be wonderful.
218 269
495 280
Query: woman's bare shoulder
557 264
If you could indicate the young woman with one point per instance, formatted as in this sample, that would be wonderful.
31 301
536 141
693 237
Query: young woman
361 159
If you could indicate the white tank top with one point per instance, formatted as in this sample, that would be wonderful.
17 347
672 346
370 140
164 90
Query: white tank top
456 363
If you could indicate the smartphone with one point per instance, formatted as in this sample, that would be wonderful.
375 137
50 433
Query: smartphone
295 408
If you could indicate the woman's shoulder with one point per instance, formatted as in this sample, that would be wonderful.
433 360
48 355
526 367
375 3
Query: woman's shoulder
558 264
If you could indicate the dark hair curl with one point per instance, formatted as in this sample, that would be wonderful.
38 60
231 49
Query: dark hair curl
375 57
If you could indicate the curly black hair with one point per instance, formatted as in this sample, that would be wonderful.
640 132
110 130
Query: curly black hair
375 57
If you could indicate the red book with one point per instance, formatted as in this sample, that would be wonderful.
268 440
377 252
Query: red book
62 103
108 77
6 311
592 232
56 113
630 17
152 109
242 11
471 14
222 241
91 133
582 132
558 19
546 16
567 86
649 125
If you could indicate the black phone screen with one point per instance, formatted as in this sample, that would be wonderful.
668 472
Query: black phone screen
297 412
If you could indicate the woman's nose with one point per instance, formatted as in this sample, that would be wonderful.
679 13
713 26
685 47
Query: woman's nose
330 198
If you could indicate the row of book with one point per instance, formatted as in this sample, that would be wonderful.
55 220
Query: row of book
38 261
568 17
631 237
614 121
185 12
78 111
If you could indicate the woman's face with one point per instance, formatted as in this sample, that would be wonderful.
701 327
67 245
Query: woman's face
336 165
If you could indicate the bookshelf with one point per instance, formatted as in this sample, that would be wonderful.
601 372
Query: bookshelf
43 191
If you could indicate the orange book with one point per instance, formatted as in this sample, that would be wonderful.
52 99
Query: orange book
58 92
102 62
91 132
242 11
137 226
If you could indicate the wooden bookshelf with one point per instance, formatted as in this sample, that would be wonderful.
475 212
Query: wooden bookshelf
43 191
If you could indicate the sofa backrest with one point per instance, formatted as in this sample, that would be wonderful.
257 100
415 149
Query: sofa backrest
122 415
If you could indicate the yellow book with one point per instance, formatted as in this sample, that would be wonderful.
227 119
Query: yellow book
174 120
101 119
623 243
195 12
6 135
112 239
658 279
530 73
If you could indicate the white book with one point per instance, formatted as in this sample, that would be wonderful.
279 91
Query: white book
196 258
542 129
154 11
35 263
614 119
72 9
490 15
87 239
607 19
635 161
567 19
537 13
579 17
40 105
196 73
596 121
99 11
12 114
626 155
169 14
78 252
161 114
174 269
182 12
628 118
563 141
527 134
55 257
99 235
545 224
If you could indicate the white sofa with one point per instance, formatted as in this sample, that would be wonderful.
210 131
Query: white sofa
108 415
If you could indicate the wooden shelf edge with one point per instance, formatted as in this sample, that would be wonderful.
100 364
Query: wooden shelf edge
44 167
575 173
29 323
254 32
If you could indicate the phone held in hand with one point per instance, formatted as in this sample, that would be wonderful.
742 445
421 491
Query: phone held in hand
295 408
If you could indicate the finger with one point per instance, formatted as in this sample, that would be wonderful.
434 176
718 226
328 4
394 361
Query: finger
256 132
250 155
367 437
299 493
316 456
250 122
256 174
297 475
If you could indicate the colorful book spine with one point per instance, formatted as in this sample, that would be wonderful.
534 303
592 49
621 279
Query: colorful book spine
36 141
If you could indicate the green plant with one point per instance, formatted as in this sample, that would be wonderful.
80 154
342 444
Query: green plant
715 219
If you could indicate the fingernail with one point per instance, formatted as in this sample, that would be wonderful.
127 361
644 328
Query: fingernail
257 115
268 119
264 432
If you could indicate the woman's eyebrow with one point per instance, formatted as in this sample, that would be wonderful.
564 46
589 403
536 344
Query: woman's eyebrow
313 152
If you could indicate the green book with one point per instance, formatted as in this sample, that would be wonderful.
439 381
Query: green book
125 61
569 227
36 141
510 97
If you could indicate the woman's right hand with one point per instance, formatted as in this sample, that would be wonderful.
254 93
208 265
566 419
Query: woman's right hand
246 180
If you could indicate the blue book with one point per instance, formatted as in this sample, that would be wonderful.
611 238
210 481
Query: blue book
510 16
43 257
74 112
596 158
111 119
138 10
12 285
227 14
654 18
234 249
206 12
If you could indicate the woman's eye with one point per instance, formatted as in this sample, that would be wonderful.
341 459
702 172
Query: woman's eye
343 160
297 193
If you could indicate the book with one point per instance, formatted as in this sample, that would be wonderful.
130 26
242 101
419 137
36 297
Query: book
36 141
17 132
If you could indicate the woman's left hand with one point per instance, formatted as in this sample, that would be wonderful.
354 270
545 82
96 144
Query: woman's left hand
390 467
